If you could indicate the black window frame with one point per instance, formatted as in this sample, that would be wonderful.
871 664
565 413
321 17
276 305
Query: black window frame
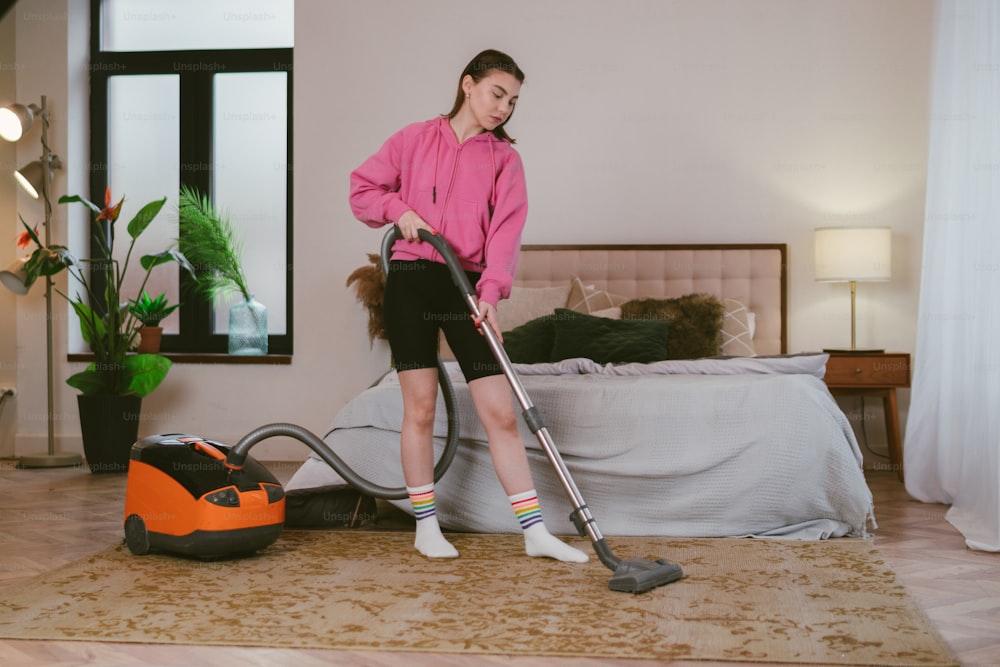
196 70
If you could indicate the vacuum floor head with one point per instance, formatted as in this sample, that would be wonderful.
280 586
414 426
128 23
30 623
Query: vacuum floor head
181 498
638 575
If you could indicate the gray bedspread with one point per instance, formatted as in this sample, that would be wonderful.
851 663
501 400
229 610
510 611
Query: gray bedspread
714 448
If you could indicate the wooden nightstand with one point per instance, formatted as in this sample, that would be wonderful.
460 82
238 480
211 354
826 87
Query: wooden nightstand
881 373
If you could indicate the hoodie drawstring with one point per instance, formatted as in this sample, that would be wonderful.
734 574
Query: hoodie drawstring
493 180
437 159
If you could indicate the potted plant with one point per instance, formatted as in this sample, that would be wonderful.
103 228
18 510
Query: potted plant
150 312
113 385
209 240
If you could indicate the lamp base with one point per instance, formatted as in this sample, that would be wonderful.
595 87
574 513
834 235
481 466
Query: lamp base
55 460
854 350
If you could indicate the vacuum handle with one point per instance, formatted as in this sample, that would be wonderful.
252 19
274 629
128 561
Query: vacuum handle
206 448
442 246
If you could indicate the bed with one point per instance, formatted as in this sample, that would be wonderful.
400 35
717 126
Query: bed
723 435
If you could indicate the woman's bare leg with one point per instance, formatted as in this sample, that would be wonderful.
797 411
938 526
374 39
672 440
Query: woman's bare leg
492 398
420 388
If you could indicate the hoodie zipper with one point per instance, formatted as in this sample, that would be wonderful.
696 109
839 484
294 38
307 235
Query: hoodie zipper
447 194
451 181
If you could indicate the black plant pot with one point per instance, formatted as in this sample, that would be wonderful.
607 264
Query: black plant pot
110 426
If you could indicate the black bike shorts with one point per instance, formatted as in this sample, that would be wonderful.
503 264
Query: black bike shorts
421 299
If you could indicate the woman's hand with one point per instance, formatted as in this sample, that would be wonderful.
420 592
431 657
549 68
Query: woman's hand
410 223
488 313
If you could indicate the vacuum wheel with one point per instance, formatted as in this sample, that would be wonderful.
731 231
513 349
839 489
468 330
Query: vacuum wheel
136 535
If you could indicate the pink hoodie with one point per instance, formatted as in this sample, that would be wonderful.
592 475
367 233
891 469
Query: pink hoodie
473 193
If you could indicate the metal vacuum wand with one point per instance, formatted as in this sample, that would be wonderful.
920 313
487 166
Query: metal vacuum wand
633 575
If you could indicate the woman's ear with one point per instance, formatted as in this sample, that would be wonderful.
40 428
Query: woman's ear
467 84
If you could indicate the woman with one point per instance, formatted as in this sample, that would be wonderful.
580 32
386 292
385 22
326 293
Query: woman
459 175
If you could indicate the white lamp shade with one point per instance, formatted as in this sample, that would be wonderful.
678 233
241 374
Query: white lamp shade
13 277
15 120
844 254
32 178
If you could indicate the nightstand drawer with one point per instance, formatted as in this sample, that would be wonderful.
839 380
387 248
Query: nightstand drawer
868 370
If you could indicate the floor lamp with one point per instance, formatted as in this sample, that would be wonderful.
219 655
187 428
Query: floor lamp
34 178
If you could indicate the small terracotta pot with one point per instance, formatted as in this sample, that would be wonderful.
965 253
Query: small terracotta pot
150 340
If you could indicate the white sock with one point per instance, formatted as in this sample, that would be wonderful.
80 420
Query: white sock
429 541
537 539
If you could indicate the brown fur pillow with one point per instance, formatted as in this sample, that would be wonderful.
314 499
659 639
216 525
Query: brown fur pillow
695 323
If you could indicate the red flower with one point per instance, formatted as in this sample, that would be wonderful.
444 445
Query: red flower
110 213
24 238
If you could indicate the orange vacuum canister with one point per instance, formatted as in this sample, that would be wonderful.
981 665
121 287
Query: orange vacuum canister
181 498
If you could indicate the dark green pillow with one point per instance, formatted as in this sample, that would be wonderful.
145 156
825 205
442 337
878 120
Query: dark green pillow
531 342
695 323
608 341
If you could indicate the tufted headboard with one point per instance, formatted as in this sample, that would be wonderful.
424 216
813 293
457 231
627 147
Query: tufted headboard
755 273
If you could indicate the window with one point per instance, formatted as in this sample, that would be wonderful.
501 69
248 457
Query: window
199 93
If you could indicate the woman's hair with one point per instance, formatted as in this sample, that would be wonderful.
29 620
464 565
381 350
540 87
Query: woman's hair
485 62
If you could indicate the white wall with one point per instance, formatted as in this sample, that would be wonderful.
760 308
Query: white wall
640 121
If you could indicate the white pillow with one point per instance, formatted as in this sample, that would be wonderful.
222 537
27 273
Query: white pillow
737 340
613 313
588 299
527 303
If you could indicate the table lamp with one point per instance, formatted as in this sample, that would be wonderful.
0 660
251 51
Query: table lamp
853 255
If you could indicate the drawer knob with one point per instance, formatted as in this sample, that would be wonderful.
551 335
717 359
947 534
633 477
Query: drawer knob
858 371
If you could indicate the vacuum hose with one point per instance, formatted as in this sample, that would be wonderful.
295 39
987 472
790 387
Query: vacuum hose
631 575
238 454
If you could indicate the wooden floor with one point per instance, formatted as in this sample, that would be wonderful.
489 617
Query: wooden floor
52 517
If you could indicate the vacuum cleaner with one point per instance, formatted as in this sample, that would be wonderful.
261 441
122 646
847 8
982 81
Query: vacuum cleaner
180 498
201 498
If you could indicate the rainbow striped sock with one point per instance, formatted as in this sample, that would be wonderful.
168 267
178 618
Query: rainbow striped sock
422 498
526 508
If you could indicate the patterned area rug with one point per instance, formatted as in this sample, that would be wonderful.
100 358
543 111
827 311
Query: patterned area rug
831 602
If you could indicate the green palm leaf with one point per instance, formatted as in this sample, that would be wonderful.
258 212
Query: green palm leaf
209 242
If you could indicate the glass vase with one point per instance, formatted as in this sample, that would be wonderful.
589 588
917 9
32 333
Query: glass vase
248 328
